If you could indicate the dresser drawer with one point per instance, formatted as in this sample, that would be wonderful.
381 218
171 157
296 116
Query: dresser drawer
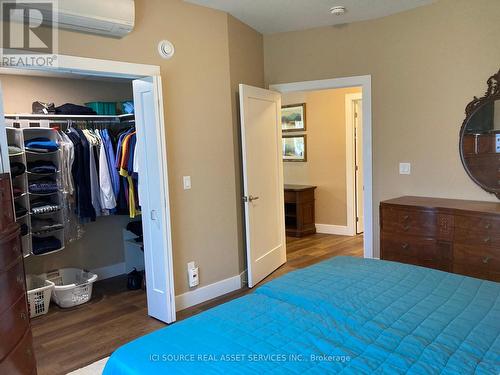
21 360
11 285
477 238
410 222
13 324
426 252
7 211
476 223
10 249
477 261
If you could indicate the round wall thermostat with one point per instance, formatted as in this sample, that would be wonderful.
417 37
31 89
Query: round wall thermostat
166 49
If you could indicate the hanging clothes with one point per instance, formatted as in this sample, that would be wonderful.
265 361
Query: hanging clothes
81 176
110 157
108 199
68 157
126 158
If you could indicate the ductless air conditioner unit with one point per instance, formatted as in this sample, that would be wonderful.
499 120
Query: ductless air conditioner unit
114 18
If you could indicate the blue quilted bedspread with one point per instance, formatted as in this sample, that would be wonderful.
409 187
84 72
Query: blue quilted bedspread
344 315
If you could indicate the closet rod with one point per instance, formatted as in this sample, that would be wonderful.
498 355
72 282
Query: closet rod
62 117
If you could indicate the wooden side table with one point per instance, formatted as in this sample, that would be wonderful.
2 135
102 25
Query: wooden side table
299 210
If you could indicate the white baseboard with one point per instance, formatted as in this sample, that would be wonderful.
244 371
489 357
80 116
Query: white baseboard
109 271
208 292
341 230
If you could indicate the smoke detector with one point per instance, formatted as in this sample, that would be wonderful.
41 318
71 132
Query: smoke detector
338 10
166 49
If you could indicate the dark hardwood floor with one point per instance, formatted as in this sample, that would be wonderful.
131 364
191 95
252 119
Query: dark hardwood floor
68 339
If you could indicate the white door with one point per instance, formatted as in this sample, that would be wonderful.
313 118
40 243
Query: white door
4 153
358 139
260 112
153 197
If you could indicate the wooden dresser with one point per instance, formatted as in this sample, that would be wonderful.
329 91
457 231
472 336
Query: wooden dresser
457 236
299 210
16 343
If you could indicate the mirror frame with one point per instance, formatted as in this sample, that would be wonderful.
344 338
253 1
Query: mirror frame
492 94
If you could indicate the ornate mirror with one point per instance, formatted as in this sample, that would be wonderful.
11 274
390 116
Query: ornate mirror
480 138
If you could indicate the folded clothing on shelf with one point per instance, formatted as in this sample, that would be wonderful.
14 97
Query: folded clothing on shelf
43 187
45 225
14 150
41 144
42 245
42 108
43 207
20 210
74 109
17 169
24 229
128 107
41 166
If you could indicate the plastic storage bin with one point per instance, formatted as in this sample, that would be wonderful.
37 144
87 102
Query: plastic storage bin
73 286
39 292
103 108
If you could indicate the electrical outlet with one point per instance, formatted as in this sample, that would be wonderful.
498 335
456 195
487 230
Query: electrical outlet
193 275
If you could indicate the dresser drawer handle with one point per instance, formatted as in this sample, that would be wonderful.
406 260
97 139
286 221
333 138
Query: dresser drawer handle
28 352
20 279
487 240
406 228
405 246
17 248
406 217
486 260
23 315
487 226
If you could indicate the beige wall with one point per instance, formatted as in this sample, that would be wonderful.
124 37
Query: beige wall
20 91
426 65
199 125
246 59
326 152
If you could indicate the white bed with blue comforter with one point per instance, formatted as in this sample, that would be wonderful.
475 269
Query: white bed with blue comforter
344 315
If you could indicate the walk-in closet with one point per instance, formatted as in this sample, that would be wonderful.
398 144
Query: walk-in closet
72 148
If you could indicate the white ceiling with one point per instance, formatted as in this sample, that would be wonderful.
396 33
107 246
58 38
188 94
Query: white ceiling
272 16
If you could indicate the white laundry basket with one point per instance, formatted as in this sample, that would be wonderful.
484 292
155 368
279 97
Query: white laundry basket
39 292
73 286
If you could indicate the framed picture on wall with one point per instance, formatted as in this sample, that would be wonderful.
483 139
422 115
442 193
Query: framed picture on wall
293 117
295 148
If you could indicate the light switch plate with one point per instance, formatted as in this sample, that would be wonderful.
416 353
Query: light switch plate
404 168
498 142
186 180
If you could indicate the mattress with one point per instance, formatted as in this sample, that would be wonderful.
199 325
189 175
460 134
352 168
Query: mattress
344 315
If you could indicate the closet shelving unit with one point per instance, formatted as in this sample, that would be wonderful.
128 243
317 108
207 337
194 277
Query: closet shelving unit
15 137
22 127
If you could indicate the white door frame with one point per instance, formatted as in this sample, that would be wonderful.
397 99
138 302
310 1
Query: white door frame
74 66
337 83
350 166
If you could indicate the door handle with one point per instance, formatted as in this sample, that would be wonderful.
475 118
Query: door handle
250 198
154 215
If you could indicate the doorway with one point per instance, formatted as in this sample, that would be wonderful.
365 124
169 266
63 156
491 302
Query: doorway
153 189
364 157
